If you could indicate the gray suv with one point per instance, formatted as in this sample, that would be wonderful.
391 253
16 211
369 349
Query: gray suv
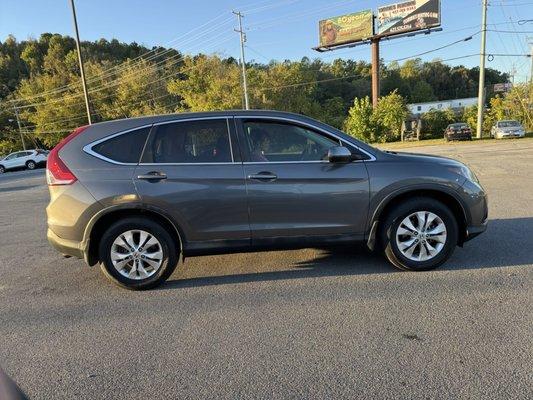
137 194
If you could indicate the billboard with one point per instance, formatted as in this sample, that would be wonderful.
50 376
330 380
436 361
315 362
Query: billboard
502 87
408 16
347 28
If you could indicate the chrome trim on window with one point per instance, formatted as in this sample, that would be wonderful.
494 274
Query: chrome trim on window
192 164
287 162
88 148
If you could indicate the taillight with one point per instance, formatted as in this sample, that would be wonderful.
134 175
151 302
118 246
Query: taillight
57 172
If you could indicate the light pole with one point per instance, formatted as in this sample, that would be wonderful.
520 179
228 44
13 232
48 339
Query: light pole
80 60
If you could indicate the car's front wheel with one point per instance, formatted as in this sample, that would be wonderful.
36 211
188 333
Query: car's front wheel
419 234
137 253
30 164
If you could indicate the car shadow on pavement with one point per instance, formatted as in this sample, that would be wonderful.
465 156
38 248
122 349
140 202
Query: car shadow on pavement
17 188
507 243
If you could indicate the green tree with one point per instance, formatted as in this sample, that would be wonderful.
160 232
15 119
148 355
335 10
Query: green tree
435 121
208 83
41 77
360 122
422 92
333 112
140 89
518 104
289 86
390 114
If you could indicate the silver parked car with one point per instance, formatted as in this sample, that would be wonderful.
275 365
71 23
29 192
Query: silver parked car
507 129
29 159
136 195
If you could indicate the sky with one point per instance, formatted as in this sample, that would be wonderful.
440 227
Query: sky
276 29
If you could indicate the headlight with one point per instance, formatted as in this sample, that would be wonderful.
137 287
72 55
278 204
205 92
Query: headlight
463 170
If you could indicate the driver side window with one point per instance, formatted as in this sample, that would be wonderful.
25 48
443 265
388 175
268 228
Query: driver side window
277 142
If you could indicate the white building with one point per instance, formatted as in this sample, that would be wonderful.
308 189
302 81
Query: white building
456 105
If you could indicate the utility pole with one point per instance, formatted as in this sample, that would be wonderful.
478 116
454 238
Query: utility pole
243 62
375 71
530 40
481 89
20 128
80 60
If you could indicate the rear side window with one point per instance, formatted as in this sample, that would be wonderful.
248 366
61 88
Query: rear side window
202 141
125 148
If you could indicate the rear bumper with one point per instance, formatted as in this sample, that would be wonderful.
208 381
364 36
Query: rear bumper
67 247
459 136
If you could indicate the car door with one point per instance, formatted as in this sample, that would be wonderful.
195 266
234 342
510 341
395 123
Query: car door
189 169
12 160
292 189
23 158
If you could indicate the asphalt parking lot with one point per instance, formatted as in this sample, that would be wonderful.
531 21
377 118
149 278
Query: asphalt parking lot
293 324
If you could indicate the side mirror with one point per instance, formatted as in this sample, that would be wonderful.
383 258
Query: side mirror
339 154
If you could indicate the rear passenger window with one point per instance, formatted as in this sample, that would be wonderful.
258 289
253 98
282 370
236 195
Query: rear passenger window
125 148
202 141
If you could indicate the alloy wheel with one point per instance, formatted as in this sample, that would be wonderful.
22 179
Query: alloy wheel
421 236
136 254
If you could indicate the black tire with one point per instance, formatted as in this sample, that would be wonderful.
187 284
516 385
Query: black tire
395 217
30 164
169 248
2 169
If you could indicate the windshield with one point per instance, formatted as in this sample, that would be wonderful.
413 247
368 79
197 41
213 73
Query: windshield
508 124
458 126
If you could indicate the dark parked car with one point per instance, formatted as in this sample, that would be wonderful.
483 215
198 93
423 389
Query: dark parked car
458 131
136 195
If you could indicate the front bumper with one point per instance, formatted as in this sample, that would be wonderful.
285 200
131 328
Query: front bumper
475 230
502 135
67 247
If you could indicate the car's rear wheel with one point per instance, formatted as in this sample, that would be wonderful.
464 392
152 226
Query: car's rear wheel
419 234
30 164
137 253
2 169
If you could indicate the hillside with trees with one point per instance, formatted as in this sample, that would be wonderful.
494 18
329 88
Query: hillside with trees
40 77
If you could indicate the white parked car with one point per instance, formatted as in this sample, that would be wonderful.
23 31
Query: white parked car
506 129
24 159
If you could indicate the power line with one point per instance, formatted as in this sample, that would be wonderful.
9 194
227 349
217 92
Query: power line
117 81
504 31
117 68
148 83
439 48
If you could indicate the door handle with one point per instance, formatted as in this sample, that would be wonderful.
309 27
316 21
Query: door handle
263 176
153 176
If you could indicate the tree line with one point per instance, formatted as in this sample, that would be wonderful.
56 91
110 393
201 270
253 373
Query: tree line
40 77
